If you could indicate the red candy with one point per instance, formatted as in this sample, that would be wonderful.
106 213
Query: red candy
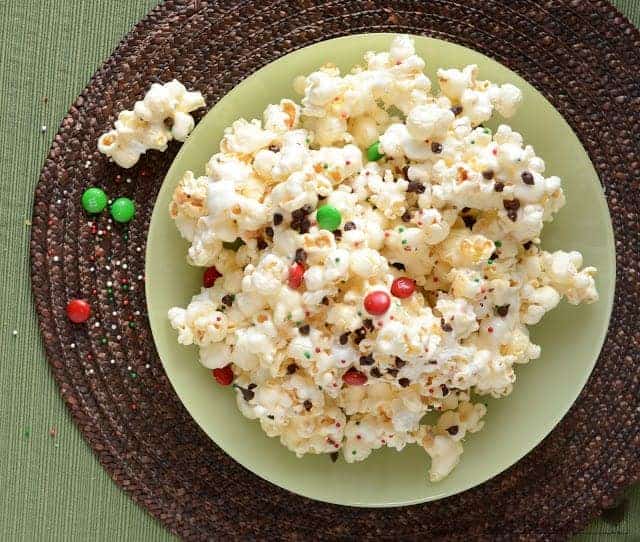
296 273
210 276
78 311
353 377
377 302
403 287
223 376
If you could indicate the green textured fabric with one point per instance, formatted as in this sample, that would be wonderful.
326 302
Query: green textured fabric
52 487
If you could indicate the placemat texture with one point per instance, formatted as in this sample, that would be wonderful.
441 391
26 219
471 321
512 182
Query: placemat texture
51 486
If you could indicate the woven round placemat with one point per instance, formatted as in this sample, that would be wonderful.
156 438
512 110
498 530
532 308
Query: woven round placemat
581 54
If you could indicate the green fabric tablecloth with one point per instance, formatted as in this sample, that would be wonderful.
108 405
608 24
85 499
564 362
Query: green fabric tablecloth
51 486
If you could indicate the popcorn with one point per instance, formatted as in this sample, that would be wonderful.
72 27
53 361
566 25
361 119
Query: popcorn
450 206
162 115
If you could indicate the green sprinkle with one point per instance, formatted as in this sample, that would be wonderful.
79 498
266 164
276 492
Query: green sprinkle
400 229
337 260
307 355
132 325
133 375
125 287
353 453
27 432
289 316
487 130
298 323
125 237
476 280
359 313
325 166
104 340
498 244
404 241
473 141
373 152
490 262
110 290
234 245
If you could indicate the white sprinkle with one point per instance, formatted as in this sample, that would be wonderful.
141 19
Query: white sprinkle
110 221
112 361
110 201
72 346
100 232
119 337
109 284
147 366
43 128
87 164
15 332
58 201
97 324
90 371
108 228
137 313
64 193
124 266
128 181
92 269
114 313
128 367
138 249
117 263
107 267
56 259
140 277
131 287
113 326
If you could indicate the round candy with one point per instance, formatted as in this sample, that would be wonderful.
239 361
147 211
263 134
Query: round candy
353 377
223 376
94 200
210 276
373 152
123 209
403 287
377 303
328 217
296 273
78 311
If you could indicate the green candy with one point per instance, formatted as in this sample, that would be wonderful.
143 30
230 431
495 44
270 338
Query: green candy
233 245
328 217
373 152
94 200
122 210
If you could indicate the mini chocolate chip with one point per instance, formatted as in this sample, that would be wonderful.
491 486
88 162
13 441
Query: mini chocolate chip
527 245
400 363
360 334
269 232
304 330
393 372
469 221
502 310
367 360
325 300
247 394
375 372
291 368
334 456
494 255
466 209
252 386
261 243
399 266
488 174
344 338
436 147
445 326
321 197
348 226
405 172
301 256
274 148
368 324
453 430
445 390
499 186
527 178
277 219
456 110
511 204
307 405
404 382
337 234
228 299
271 416
304 226
512 214
415 186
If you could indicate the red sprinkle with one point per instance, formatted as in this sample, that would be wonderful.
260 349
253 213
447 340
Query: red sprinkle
403 287
223 376
495 152
210 276
78 311
296 273
490 329
377 303
353 377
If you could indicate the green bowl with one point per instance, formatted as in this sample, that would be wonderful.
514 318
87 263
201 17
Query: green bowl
571 337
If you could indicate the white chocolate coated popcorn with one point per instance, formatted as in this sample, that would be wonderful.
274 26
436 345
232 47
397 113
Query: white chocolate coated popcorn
447 206
162 115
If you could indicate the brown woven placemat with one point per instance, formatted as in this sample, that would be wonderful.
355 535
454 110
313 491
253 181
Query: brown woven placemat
581 54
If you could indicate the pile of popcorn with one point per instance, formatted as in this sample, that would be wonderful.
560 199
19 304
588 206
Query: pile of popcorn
373 255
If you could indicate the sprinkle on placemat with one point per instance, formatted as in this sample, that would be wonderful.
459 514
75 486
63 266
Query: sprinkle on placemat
581 55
